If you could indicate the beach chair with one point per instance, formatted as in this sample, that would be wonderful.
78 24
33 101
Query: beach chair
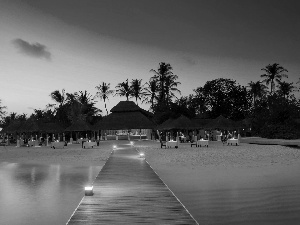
162 144
224 139
194 141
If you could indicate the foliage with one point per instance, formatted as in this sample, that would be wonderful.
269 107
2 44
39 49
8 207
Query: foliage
124 89
166 86
2 111
287 130
151 93
285 88
273 72
224 97
273 114
137 90
257 90
104 92
13 117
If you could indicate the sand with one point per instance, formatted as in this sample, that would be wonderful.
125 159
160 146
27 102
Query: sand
69 155
218 185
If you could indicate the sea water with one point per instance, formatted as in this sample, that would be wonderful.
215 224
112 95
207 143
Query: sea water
32 194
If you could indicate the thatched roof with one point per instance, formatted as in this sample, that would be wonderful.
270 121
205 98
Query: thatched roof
200 123
79 125
221 123
13 127
125 106
29 126
123 121
181 122
51 128
125 115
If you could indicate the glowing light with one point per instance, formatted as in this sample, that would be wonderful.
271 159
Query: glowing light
114 147
131 143
89 190
142 155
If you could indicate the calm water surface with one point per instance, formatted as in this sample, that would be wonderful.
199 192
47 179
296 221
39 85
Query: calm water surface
41 194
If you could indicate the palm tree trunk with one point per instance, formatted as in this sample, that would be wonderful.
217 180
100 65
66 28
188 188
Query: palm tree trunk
105 107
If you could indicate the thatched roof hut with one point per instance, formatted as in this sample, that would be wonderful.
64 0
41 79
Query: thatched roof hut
221 123
181 122
79 125
125 115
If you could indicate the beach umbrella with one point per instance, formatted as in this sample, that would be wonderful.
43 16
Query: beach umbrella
13 127
79 125
181 122
221 123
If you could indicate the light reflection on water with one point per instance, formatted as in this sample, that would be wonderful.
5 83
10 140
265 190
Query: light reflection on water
41 194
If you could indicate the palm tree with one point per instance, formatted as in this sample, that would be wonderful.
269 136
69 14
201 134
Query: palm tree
137 89
151 92
59 97
285 88
257 90
104 92
171 87
81 106
164 70
123 89
273 72
2 111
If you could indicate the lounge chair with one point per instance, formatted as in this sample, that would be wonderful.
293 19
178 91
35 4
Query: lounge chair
162 143
194 141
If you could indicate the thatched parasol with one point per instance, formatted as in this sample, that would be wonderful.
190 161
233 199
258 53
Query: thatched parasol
221 123
50 128
181 122
29 126
125 115
79 125
13 127
200 123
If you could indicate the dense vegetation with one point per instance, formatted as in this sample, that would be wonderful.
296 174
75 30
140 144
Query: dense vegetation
269 104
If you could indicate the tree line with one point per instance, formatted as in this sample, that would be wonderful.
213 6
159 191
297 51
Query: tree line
270 104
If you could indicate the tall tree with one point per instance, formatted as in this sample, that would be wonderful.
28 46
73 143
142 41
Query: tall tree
273 73
123 89
224 97
171 87
138 90
2 111
59 97
160 75
285 88
151 92
257 90
103 93
167 85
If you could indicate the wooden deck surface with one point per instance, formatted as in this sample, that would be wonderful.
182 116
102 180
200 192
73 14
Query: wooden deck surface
128 191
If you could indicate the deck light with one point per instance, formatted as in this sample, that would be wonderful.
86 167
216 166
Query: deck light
131 143
142 155
114 147
89 191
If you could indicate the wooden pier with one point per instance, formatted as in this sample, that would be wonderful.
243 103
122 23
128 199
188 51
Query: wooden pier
128 191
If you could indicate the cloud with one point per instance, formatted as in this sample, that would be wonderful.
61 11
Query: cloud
34 50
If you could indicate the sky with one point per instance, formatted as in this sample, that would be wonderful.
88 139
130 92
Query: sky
76 45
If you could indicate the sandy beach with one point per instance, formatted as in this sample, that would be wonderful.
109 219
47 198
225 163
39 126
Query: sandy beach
218 185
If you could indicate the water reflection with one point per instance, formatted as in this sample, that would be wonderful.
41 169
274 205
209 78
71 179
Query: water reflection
41 194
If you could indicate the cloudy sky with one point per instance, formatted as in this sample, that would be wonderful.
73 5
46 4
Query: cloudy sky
71 44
